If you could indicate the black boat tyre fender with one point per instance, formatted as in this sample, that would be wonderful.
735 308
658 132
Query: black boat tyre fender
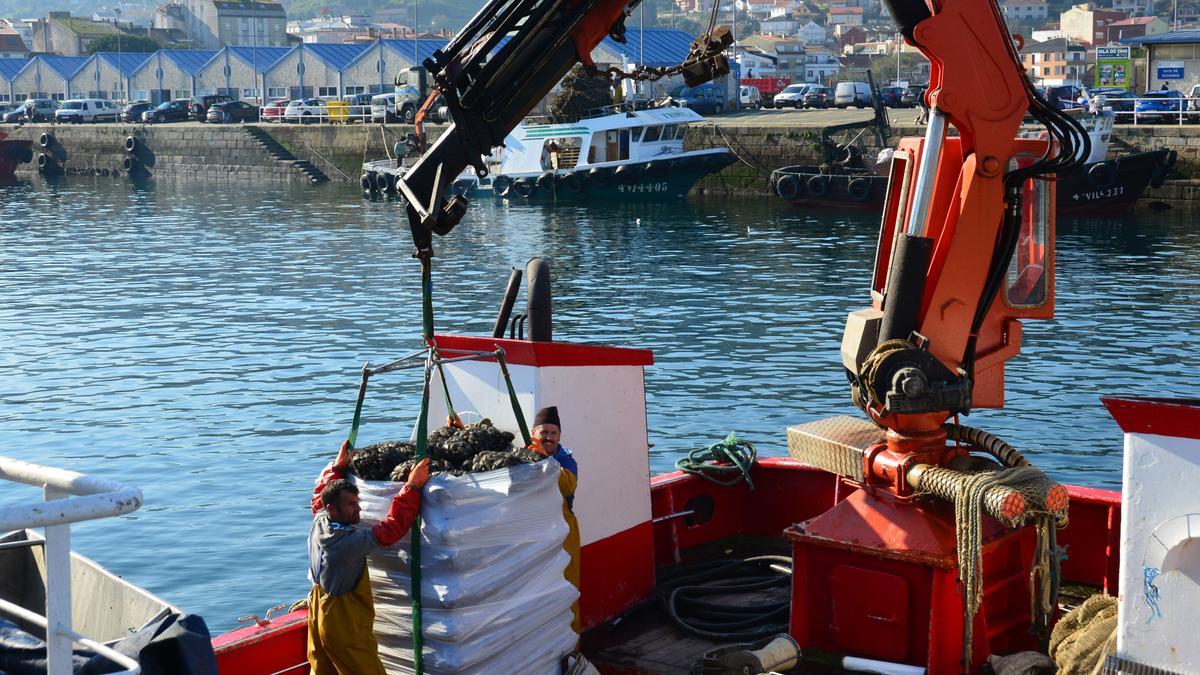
546 181
523 188
44 160
600 176
131 144
859 189
573 182
391 182
818 185
46 139
1102 175
658 168
365 182
788 186
502 186
129 164
627 173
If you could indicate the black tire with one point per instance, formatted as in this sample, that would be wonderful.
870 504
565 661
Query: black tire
409 113
717 109
46 139
129 164
817 185
1102 175
547 181
627 174
574 182
131 144
600 176
44 160
799 105
788 187
523 188
502 185
658 168
365 182
859 189
390 183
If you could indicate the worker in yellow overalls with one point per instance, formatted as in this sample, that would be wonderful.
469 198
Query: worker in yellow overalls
341 610
546 433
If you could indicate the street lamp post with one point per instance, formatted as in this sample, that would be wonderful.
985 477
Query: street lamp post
120 71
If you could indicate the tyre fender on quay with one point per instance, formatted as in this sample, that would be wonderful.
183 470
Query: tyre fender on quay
788 187
523 187
818 185
859 189
502 186
600 176
1102 175
573 182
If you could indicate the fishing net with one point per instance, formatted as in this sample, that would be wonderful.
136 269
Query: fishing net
1085 636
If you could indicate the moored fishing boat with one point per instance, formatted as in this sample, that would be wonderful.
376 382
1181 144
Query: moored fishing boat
616 153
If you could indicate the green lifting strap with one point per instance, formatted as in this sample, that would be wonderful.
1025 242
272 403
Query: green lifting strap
362 394
425 256
512 398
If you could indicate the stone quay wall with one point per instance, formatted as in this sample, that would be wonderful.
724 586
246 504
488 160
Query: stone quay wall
237 152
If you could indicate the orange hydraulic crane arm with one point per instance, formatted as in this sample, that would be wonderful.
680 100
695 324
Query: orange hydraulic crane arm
955 215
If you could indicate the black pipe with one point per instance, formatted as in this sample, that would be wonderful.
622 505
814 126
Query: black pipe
905 286
538 304
510 299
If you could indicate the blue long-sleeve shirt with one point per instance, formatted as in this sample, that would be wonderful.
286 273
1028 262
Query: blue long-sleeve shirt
567 460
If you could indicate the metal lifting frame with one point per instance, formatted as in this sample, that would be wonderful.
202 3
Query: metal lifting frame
70 497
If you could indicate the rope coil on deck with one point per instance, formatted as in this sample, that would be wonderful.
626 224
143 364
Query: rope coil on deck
724 463
1015 495
682 591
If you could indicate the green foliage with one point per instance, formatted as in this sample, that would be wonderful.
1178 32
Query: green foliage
128 43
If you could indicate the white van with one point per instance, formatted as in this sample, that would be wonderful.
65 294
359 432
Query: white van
383 108
87 110
857 94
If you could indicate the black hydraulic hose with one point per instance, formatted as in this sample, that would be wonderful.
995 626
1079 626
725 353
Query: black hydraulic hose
978 439
684 592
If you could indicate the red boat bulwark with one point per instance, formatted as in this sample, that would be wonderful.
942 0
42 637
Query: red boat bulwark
13 154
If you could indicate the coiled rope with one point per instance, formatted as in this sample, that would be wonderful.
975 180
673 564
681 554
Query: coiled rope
724 463
970 494
683 590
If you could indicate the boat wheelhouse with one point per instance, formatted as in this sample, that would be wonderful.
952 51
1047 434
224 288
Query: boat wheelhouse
623 153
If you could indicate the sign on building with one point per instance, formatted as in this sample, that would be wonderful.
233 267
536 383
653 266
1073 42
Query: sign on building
1169 70
1113 67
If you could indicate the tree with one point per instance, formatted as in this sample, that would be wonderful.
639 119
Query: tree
581 93
133 44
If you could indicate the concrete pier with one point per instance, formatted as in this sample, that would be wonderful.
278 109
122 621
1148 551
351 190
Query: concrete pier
763 140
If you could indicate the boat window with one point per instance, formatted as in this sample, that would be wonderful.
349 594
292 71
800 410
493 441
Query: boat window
637 133
669 131
652 134
681 133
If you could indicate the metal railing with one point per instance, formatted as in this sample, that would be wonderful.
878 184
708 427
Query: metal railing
1179 110
68 497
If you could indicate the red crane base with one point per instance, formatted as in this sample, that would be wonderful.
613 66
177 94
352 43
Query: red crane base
877 577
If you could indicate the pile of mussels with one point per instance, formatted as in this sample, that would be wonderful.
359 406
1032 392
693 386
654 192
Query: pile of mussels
457 451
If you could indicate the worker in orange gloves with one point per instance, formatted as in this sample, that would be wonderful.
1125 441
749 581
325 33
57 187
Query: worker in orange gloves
546 434
341 610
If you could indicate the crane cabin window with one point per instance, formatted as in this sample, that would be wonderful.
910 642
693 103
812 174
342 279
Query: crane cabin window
1028 273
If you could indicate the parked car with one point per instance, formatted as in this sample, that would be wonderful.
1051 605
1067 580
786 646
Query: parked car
201 104
33 110
1159 106
913 95
791 97
890 96
1194 104
1120 100
704 98
79 110
857 94
383 108
178 110
305 111
749 97
359 107
273 110
818 96
232 111
1067 96
132 113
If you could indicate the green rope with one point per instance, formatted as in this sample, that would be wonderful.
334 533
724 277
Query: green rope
724 463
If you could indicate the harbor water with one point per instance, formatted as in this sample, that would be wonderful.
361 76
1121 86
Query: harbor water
203 342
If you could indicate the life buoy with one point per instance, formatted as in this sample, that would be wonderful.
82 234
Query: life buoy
628 173
46 139
502 186
600 176
1101 175
859 189
523 188
788 186
131 144
573 182
546 181
129 164
817 185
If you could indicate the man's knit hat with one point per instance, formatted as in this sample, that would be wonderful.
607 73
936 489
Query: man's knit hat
547 415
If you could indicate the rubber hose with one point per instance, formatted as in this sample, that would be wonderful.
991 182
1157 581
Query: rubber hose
681 591
990 443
